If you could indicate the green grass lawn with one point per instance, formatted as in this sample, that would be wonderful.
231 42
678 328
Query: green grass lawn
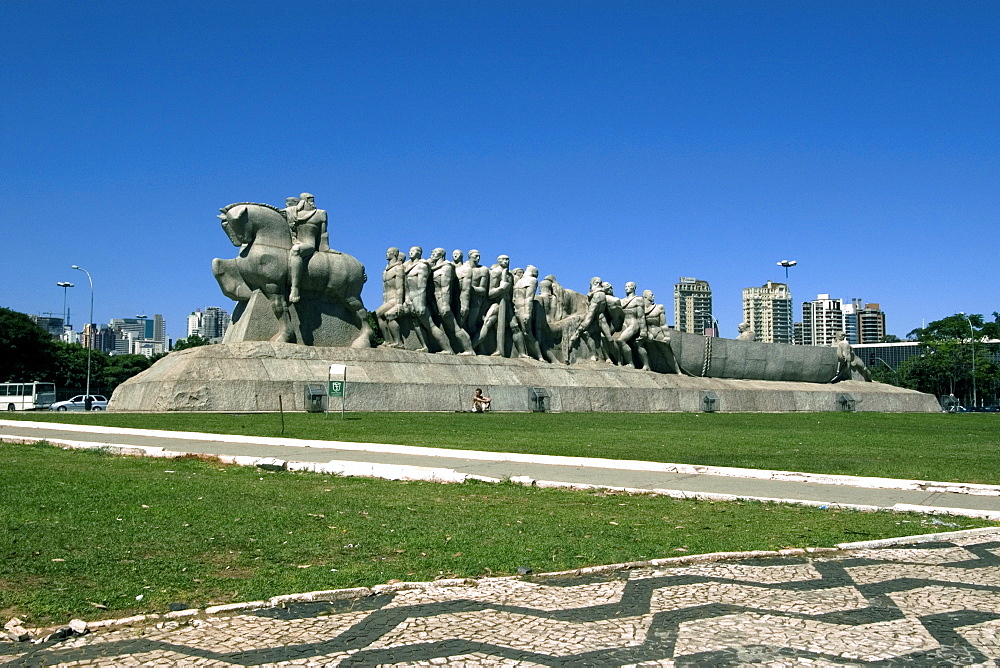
85 534
963 447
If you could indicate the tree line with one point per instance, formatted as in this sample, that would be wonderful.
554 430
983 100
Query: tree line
28 352
945 364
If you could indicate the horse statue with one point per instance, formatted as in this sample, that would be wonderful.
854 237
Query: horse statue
264 237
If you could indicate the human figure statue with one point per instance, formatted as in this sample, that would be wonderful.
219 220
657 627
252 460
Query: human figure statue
475 286
524 310
418 278
445 285
289 212
615 320
393 296
308 226
463 285
633 334
595 324
500 315
657 330
656 318
746 332
847 362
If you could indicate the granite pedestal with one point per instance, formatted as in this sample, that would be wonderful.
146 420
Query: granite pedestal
251 376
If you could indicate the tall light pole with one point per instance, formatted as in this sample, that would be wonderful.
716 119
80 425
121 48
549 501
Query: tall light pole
90 324
718 332
64 285
786 264
791 303
973 342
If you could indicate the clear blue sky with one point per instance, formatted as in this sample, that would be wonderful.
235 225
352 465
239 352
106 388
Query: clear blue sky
631 140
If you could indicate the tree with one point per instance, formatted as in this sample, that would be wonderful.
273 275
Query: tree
192 341
25 348
377 339
122 367
947 366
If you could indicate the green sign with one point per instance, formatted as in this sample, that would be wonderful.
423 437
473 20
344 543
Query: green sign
337 388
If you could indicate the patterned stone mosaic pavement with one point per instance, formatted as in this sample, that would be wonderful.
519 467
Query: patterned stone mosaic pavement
930 603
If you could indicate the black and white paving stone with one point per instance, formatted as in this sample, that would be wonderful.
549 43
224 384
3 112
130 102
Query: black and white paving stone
932 603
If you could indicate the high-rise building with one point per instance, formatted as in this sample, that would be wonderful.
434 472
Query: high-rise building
140 335
98 337
768 311
851 320
194 323
53 326
693 306
871 324
210 324
822 318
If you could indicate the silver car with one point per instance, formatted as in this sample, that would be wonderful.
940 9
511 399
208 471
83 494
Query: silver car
79 403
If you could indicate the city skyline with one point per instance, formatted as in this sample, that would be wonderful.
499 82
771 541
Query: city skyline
636 142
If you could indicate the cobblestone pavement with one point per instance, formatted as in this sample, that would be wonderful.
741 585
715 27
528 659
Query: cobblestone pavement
931 603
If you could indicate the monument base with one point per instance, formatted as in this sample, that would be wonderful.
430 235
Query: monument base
252 375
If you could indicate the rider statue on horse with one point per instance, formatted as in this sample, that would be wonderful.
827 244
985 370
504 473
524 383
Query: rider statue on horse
313 291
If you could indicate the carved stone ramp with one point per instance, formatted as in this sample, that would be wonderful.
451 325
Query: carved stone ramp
924 600
446 465
256 376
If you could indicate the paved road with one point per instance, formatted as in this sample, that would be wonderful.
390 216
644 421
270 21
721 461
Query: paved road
933 603
567 470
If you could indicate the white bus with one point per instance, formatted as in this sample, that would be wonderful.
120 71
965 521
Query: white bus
26 396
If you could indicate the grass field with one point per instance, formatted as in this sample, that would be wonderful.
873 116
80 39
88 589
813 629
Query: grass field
962 447
89 535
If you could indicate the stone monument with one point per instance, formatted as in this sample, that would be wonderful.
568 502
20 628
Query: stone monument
290 286
451 326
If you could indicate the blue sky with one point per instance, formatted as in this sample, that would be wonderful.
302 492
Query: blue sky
631 140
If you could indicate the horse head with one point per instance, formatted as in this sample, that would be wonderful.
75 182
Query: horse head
235 220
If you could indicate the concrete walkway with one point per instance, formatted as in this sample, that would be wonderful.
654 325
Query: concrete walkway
445 465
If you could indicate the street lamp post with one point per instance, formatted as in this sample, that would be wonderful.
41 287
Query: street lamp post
791 305
973 342
718 332
887 366
64 285
90 323
786 264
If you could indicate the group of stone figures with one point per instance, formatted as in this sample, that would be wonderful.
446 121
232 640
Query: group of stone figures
293 288
463 307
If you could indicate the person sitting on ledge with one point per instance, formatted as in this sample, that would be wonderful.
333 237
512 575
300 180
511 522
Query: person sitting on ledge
480 404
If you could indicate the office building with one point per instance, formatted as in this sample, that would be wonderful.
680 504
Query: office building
822 318
851 320
98 337
768 311
140 335
210 324
693 306
53 326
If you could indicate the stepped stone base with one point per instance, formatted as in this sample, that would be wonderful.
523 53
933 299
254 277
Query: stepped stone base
251 376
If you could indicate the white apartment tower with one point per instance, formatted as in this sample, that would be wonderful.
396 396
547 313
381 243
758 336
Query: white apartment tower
693 306
768 311
822 318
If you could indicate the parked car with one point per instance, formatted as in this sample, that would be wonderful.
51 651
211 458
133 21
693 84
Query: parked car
79 403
